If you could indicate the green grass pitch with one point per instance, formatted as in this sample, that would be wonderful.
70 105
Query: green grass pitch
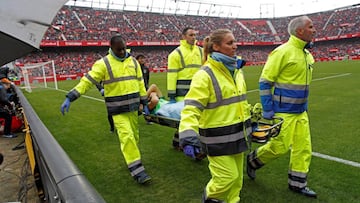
334 119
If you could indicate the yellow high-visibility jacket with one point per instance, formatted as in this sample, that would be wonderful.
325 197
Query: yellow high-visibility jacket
183 63
122 80
216 111
285 79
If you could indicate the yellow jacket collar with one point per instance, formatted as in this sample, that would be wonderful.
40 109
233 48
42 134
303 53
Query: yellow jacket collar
217 64
297 42
185 44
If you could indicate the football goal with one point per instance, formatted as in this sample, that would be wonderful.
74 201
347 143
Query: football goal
39 75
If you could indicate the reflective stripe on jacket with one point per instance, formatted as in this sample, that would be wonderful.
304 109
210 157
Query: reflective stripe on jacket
183 63
285 79
123 84
216 110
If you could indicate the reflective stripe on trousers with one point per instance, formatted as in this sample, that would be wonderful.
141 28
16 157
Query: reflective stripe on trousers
294 134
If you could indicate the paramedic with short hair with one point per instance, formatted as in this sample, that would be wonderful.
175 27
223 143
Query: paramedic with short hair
183 63
125 95
284 89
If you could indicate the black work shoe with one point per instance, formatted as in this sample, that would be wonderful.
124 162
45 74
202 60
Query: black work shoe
142 178
213 201
249 169
304 191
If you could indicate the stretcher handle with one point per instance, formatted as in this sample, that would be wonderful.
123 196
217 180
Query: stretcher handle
279 123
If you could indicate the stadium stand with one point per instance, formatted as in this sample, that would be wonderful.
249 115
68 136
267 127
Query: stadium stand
77 23
79 36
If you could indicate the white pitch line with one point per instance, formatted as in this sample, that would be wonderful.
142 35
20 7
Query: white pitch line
101 100
343 161
317 79
324 156
93 98
330 77
255 90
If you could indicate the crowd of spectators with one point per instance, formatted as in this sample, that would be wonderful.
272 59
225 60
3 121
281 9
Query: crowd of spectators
89 24
78 23
337 48
70 61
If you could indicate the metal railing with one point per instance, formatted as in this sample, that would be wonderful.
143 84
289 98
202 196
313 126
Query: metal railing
60 179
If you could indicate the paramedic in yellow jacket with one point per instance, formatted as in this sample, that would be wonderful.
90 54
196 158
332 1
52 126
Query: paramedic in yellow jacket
216 117
183 63
284 89
125 95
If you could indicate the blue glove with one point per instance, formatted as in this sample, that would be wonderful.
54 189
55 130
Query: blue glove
146 110
172 101
102 92
191 151
268 114
240 63
65 106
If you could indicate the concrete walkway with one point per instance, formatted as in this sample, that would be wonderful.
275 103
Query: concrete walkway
16 181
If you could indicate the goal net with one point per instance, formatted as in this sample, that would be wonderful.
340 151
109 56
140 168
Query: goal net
39 75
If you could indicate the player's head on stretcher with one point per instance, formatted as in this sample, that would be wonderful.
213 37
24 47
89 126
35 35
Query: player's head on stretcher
158 105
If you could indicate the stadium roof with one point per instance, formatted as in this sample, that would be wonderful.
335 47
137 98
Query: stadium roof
223 8
21 29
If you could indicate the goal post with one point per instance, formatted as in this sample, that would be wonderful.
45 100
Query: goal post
40 75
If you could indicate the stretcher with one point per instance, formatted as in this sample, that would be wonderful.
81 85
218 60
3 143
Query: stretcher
162 120
263 129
